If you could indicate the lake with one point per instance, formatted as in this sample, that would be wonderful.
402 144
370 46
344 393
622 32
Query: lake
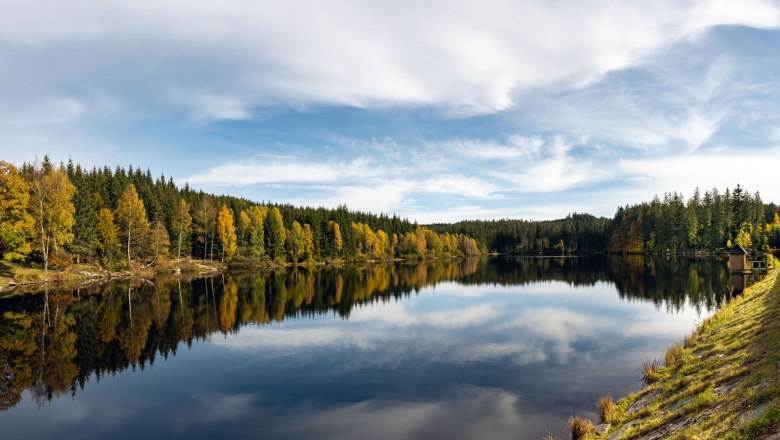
500 348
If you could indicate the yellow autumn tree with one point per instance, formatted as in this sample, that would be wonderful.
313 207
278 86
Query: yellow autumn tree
51 205
133 224
160 243
308 242
227 232
106 235
335 231
16 224
295 241
256 229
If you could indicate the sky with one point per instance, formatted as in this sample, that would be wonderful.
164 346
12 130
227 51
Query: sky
435 110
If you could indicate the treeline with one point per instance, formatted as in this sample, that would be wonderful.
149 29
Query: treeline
60 214
710 221
575 233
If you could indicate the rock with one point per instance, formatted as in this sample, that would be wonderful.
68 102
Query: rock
619 433
642 402
726 388
755 412
679 404
602 428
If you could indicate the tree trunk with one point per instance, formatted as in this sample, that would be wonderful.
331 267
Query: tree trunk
179 253
129 228
213 227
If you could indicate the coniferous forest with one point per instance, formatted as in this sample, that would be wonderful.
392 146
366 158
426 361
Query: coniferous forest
53 215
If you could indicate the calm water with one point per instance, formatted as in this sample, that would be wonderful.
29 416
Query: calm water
482 348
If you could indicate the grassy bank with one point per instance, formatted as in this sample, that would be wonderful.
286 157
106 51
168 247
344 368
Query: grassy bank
722 381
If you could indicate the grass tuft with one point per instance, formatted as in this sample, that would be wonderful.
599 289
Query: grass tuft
650 371
581 428
691 339
607 409
674 355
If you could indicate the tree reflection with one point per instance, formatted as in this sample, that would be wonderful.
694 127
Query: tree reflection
55 343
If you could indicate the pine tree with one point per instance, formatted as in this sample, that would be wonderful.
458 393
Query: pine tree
276 234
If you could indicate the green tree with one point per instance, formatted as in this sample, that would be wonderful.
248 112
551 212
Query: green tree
16 224
276 234
181 224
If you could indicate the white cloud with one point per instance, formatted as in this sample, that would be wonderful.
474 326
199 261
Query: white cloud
253 172
467 58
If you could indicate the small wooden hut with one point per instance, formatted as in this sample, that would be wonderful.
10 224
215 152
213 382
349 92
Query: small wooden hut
737 258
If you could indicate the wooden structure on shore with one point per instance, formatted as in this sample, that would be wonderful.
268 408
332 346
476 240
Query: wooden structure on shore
739 262
737 259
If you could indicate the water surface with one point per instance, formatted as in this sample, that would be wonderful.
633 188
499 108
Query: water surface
478 348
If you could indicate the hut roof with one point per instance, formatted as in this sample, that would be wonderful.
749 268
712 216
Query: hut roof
737 249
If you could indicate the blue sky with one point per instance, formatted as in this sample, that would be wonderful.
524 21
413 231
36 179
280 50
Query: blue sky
436 111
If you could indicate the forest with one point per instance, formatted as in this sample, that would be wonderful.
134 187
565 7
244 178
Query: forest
56 215
709 222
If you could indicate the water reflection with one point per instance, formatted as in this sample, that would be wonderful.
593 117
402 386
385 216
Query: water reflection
408 367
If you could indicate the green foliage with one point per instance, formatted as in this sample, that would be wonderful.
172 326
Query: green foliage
276 235
703 222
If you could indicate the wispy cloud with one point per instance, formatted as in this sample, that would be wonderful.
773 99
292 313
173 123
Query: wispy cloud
458 110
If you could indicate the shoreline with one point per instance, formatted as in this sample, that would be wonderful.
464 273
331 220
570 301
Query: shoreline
722 381
18 280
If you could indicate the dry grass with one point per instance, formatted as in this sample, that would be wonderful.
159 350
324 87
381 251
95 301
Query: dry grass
691 339
650 371
581 428
607 409
674 355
